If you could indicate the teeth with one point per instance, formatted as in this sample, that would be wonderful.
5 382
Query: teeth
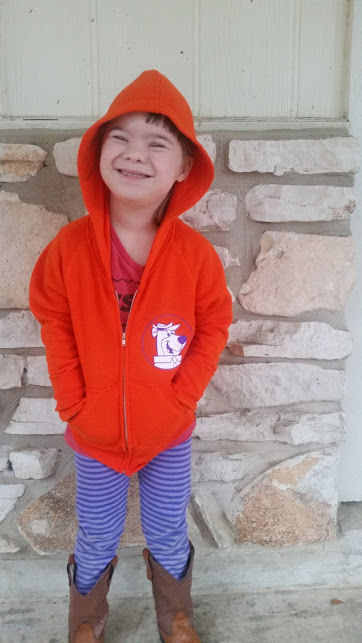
133 174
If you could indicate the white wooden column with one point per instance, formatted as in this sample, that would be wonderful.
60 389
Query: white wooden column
350 472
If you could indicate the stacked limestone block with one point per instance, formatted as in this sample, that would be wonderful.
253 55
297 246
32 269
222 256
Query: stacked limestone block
25 230
266 446
278 397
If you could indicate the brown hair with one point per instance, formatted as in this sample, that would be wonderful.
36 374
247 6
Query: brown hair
187 145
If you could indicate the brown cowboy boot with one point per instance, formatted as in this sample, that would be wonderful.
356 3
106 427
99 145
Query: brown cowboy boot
172 601
88 614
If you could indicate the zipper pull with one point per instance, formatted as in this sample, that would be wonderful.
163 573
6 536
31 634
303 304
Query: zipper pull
123 339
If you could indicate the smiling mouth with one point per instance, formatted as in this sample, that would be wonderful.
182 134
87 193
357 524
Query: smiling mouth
133 175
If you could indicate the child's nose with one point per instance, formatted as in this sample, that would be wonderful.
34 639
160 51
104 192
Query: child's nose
135 152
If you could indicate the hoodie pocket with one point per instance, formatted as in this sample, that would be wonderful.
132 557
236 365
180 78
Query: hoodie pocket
155 413
99 418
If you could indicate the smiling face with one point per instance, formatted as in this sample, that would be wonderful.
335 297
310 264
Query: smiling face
140 161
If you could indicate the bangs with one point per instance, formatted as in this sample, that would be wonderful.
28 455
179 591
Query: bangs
166 122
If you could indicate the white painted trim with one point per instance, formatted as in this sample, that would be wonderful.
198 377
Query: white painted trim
45 123
196 57
243 124
93 55
350 469
201 124
348 57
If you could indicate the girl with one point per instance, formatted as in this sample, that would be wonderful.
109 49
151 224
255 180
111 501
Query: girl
135 313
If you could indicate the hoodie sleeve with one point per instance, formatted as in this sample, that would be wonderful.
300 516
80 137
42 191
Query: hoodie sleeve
49 305
213 316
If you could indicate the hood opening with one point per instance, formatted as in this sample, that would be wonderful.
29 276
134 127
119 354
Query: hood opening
153 93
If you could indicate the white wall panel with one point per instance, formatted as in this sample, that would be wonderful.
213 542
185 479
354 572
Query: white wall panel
245 57
231 58
44 49
135 35
322 76
279 59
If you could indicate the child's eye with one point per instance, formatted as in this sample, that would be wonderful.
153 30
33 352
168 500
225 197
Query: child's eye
120 138
157 145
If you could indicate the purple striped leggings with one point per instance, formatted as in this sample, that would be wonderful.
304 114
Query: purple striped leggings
101 504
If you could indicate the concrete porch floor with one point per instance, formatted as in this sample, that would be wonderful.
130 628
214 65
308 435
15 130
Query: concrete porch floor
251 594
303 616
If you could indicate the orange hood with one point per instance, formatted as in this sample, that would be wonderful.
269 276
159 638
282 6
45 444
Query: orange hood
150 92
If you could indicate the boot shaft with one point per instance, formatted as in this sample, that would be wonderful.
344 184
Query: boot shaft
172 598
88 614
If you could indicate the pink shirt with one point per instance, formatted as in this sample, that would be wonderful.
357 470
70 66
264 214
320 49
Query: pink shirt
126 277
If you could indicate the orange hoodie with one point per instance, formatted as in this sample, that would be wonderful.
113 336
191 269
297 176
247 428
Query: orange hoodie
126 397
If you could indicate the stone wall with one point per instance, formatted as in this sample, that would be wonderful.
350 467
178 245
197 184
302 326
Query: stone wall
270 425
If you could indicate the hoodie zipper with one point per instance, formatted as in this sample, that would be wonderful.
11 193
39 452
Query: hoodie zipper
124 354
124 366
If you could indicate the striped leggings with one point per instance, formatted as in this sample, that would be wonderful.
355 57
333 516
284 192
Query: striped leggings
101 505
